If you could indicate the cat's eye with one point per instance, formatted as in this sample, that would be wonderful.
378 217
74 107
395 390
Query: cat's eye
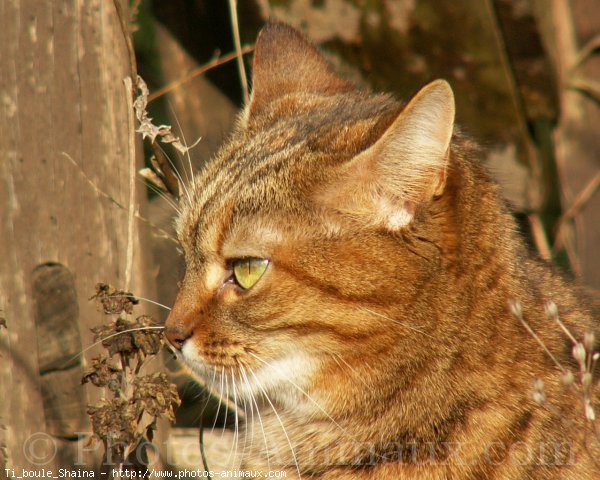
247 271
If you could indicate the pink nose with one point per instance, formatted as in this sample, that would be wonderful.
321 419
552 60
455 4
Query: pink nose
176 336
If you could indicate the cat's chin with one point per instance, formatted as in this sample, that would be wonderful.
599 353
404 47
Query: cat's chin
284 380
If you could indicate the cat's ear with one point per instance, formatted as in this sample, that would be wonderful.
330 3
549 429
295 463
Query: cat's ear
286 62
404 168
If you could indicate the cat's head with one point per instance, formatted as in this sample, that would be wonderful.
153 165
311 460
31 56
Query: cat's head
308 239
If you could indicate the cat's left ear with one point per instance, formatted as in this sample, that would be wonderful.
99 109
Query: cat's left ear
405 167
285 62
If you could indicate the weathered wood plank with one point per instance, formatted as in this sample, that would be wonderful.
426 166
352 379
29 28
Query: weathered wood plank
56 318
58 349
62 97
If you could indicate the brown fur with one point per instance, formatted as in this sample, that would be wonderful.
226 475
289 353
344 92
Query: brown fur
381 330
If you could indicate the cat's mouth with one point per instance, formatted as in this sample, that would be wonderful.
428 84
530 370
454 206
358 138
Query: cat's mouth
214 353
220 353
244 372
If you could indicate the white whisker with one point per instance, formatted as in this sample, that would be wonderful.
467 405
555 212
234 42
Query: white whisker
280 422
135 297
253 399
220 396
243 398
177 174
187 153
300 389
99 342
410 327
208 392
227 397
236 426
353 371
185 173
162 195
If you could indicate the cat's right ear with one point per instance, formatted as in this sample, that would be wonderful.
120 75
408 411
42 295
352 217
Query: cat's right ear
403 169
285 62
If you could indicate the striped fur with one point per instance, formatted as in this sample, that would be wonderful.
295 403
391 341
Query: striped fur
374 346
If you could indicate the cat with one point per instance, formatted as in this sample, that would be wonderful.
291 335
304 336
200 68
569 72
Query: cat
353 274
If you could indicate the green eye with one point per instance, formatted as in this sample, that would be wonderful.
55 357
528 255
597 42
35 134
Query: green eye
247 271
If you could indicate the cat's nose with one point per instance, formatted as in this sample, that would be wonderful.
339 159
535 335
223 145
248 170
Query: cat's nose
183 317
177 336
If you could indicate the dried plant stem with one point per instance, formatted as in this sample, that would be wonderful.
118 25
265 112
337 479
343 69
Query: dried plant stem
128 43
199 71
586 51
587 86
517 101
542 344
516 310
132 172
582 198
539 237
568 56
238 48
565 330
126 415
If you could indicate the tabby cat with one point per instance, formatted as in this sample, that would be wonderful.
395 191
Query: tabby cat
355 277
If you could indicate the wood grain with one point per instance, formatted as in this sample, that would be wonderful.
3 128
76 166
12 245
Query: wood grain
62 67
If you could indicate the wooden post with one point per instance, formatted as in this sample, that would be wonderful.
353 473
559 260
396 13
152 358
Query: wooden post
64 135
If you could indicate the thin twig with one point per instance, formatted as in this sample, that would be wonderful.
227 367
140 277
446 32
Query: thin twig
161 232
131 86
582 198
586 51
238 48
515 95
132 172
565 39
539 237
519 315
215 62
542 344
128 44
573 257
587 86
